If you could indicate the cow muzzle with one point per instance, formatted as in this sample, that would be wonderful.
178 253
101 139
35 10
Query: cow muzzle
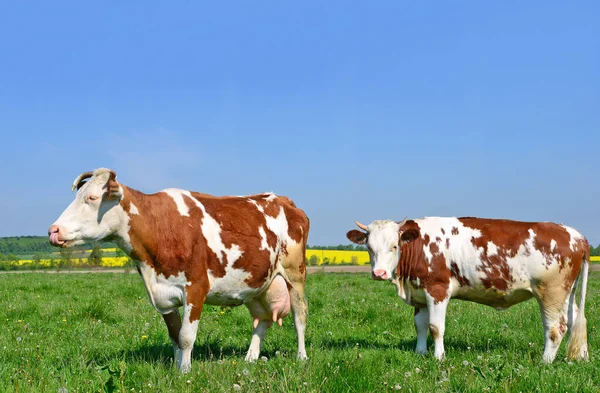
379 274
55 236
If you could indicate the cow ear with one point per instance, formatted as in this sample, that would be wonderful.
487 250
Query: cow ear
409 235
356 236
112 187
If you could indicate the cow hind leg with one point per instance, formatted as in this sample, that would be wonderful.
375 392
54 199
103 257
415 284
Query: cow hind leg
421 326
555 317
261 316
299 311
173 322
258 335
295 269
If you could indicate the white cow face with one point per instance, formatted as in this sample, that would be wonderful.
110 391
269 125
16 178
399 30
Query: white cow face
383 240
95 214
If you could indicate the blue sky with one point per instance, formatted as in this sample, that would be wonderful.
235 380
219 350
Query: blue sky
368 111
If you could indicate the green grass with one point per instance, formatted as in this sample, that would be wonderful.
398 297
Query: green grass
98 332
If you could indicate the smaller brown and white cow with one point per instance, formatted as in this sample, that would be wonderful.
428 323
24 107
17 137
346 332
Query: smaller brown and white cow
193 249
498 263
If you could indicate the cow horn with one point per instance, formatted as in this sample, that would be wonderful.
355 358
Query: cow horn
362 226
401 223
80 178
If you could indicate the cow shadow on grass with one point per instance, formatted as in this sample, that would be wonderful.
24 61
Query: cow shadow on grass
209 351
350 343
451 344
459 345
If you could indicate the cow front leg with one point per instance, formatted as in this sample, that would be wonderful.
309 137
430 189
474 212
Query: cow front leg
195 297
421 326
437 324
173 322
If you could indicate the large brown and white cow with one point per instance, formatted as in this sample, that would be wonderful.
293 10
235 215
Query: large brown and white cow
193 249
495 262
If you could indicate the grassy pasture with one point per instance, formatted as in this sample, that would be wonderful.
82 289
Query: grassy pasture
98 332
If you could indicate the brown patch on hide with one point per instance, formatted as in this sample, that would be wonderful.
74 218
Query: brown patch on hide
455 272
437 281
555 334
435 332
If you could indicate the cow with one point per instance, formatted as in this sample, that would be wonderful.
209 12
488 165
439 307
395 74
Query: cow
193 249
494 262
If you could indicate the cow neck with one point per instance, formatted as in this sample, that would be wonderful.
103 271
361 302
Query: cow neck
411 258
141 238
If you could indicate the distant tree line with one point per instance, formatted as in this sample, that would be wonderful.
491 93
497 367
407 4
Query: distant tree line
29 245
341 247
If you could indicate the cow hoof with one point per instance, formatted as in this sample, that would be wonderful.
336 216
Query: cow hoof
421 351
185 368
302 356
251 357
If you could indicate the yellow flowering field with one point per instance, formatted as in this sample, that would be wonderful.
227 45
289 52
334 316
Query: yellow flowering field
106 262
336 257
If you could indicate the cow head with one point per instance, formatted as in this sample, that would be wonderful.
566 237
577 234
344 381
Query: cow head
95 214
384 240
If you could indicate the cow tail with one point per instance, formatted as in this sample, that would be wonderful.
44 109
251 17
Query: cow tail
577 347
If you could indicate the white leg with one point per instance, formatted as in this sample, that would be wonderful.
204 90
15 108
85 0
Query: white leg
299 310
187 337
260 331
421 326
437 324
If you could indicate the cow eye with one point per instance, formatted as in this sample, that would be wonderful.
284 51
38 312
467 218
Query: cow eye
92 198
395 248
